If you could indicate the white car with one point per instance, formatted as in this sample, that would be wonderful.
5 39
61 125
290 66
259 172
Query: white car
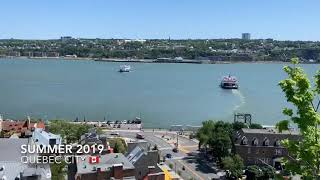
113 133
124 122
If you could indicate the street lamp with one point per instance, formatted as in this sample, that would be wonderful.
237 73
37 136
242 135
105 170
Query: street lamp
177 139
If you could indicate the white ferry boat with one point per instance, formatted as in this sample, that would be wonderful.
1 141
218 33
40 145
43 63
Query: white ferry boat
229 82
125 68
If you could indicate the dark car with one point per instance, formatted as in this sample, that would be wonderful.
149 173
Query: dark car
175 150
169 155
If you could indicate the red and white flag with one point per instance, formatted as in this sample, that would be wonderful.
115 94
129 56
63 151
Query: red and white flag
94 159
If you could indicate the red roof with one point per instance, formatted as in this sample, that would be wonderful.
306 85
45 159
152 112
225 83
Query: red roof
20 126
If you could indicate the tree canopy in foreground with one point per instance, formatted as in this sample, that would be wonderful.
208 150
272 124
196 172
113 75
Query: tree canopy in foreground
304 156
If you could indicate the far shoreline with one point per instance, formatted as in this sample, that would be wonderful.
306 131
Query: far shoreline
133 60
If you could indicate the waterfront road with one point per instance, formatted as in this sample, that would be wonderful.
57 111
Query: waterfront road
188 161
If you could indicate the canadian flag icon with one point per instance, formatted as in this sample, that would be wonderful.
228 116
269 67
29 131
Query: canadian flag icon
94 159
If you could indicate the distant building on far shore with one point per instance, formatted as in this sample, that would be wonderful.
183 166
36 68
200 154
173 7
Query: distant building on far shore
134 40
246 36
66 38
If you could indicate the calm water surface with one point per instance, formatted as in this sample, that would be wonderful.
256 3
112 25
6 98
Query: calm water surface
162 94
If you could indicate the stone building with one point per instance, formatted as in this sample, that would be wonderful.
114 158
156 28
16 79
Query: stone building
262 146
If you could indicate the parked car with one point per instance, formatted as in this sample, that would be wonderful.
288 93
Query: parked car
169 155
175 150
139 136
113 133
124 122
110 122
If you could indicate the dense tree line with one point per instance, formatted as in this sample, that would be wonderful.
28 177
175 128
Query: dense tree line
224 49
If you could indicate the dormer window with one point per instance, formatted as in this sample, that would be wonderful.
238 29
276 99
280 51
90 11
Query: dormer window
266 142
244 141
277 143
238 135
255 142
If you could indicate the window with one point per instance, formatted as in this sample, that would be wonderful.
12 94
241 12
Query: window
265 160
238 135
277 143
255 142
244 141
266 142
278 152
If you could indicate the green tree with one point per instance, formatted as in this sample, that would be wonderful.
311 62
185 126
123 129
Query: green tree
254 172
238 125
255 126
216 136
68 131
58 171
268 172
118 145
234 164
283 125
221 144
304 156
204 134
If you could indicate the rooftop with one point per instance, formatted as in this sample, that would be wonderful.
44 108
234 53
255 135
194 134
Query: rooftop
10 159
106 162
20 126
11 149
268 131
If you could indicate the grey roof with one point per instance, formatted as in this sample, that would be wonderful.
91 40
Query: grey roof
262 135
12 169
42 137
268 131
135 154
11 149
105 163
10 159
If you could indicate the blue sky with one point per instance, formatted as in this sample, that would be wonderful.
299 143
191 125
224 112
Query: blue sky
43 19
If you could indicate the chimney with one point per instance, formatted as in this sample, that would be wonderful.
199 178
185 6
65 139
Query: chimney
151 169
29 119
100 174
156 176
118 171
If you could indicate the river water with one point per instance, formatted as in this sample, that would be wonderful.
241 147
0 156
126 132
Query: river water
162 94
